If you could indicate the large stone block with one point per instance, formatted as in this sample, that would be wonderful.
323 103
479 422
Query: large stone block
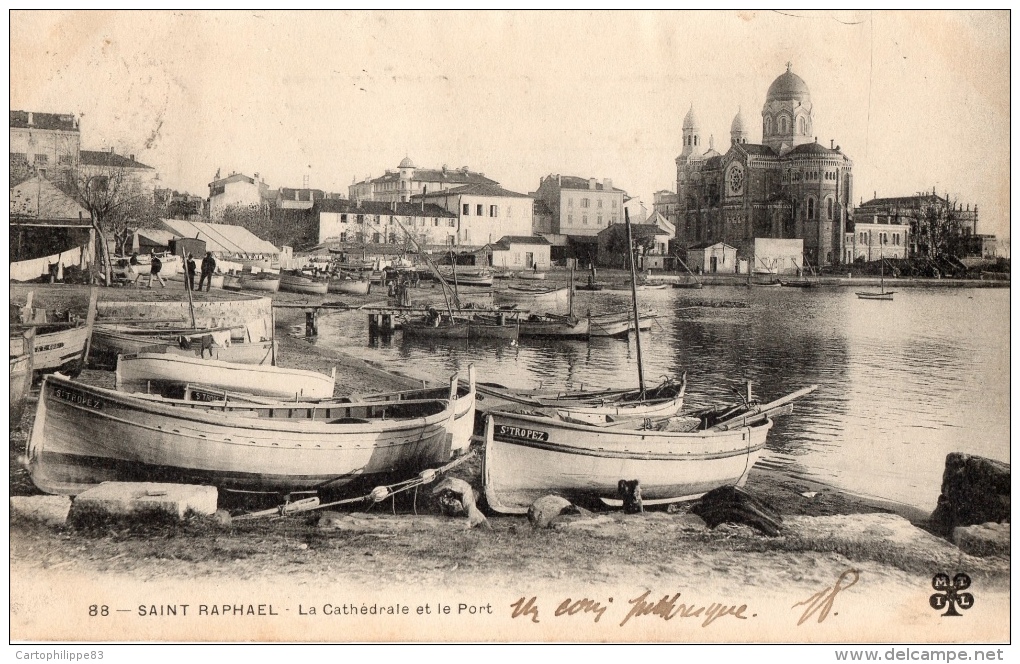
49 510
975 490
142 501
987 539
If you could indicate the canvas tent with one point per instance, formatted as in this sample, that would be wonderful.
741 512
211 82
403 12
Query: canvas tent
223 240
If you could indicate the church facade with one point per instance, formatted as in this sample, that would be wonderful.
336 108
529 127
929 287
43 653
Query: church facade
786 187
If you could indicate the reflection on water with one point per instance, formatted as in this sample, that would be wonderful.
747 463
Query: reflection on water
901 383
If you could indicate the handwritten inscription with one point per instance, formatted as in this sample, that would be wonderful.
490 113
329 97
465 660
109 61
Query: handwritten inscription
667 609
528 609
822 601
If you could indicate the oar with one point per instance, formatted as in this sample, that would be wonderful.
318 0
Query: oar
759 412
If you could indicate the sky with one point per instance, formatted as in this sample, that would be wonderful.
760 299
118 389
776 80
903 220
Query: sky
918 100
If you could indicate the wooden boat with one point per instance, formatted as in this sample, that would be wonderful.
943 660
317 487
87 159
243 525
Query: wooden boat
589 286
673 458
231 282
493 326
427 327
692 282
797 283
524 297
216 281
140 372
263 281
754 283
299 283
554 326
619 324
531 276
109 341
463 415
21 378
882 294
481 278
527 457
84 435
350 286
59 345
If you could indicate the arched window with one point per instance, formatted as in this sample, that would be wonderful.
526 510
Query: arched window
810 208
782 125
768 125
802 125
829 207
695 140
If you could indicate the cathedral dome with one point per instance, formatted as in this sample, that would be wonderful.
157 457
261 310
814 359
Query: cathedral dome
691 120
406 163
738 126
788 87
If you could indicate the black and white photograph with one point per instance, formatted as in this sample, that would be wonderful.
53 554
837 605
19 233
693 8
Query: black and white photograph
501 327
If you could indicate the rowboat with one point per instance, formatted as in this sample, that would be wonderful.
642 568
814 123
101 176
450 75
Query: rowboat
619 324
350 286
527 457
531 276
263 281
21 378
597 406
231 282
84 435
469 278
478 326
140 372
223 344
547 299
797 283
59 345
297 283
884 295
463 413
555 326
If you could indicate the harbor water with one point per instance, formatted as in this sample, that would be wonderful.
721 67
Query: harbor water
900 384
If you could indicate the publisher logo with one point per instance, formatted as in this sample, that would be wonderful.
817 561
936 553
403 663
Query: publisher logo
948 593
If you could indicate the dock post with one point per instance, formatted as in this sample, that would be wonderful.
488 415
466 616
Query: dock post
373 323
312 322
387 323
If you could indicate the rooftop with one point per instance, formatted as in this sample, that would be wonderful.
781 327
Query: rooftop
474 190
110 159
55 121
347 206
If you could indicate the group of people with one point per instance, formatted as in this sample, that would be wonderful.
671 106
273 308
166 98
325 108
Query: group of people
156 265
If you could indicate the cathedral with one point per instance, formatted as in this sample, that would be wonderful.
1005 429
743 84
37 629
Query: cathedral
787 186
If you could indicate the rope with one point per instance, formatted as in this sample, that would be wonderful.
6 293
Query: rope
376 495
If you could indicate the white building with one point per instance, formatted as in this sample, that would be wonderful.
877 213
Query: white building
371 222
236 189
128 178
582 206
521 253
875 241
485 212
408 180
712 258
778 256
45 144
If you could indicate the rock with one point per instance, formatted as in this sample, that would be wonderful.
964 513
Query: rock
730 504
987 539
975 490
222 517
545 509
48 510
142 501
456 498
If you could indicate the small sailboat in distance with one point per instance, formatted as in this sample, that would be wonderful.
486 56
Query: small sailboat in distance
883 294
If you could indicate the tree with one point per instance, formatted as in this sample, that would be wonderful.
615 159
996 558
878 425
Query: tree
118 201
938 228
254 217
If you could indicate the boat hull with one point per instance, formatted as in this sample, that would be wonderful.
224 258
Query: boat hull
618 325
545 299
876 296
21 383
264 285
556 328
138 373
350 287
85 435
304 286
55 349
529 457
108 344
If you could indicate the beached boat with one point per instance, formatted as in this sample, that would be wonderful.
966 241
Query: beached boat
231 282
350 286
534 298
58 345
531 275
225 344
527 457
263 281
144 372
619 324
299 283
480 278
21 378
463 415
84 435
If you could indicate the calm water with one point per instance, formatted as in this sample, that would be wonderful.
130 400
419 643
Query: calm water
901 384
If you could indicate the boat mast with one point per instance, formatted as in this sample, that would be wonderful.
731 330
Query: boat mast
633 292
433 267
570 295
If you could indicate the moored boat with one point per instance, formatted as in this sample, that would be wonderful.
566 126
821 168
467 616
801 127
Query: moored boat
263 281
619 324
84 435
555 326
145 372
531 275
350 286
299 283
524 297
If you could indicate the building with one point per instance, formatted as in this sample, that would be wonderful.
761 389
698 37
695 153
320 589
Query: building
778 256
650 243
45 144
789 186
635 209
665 203
296 199
374 222
408 180
913 220
521 252
484 212
120 177
542 217
581 206
714 258
236 190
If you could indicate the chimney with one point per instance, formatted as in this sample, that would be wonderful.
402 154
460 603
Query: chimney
607 184
591 183
559 180
31 120
111 149
132 157
832 144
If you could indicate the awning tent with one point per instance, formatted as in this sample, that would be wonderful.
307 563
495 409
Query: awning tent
223 239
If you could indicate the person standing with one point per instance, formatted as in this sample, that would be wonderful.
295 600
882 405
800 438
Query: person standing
208 267
191 272
155 266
